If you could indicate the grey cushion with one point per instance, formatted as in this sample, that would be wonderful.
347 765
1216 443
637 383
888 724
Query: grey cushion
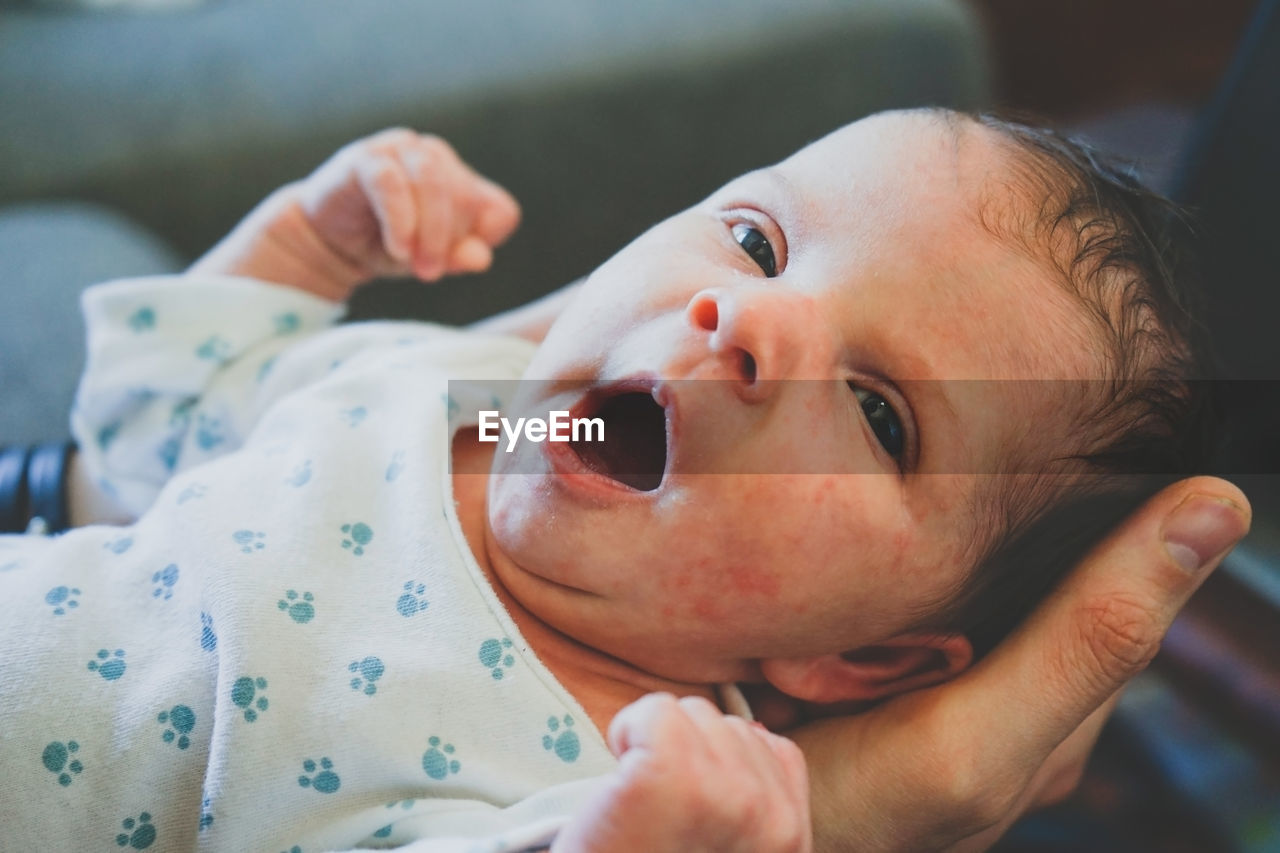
51 252
601 116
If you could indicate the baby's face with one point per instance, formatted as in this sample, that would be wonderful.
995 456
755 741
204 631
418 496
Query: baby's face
859 264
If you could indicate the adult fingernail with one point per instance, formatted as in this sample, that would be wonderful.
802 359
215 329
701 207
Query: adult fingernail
1201 528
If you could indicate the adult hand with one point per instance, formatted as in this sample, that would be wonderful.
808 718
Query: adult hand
951 767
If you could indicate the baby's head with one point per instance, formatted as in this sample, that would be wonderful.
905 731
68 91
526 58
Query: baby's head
928 345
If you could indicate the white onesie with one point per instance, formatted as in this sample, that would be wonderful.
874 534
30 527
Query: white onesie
293 648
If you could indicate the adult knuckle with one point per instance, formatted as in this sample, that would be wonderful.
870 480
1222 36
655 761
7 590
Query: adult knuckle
968 794
1062 785
1120 636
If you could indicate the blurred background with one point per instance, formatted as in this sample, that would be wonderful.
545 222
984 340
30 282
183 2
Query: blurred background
135 133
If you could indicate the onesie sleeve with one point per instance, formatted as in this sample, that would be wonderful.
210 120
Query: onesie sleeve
176 369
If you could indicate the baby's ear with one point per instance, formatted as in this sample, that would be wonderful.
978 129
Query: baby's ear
903 663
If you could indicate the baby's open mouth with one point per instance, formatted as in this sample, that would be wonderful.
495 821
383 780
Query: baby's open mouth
634 449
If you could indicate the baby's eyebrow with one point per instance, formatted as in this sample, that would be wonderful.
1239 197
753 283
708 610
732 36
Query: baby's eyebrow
781 187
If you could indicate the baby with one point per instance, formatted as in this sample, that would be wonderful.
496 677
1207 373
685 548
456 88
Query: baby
342 619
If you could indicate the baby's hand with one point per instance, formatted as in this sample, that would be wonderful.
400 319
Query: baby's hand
692 779
395 203
401 202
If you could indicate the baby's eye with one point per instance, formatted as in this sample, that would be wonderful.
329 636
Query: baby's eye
884 421
756 245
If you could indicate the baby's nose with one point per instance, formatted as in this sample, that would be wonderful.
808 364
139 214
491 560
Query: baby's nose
763 334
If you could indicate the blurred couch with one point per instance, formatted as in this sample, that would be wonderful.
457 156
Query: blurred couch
132 141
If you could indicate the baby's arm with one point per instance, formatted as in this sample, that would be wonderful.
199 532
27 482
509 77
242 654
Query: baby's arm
396 203
691 778
180 368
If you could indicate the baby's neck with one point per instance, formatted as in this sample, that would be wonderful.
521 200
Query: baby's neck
602 684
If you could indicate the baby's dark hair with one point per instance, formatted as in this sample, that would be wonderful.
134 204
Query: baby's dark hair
1123 253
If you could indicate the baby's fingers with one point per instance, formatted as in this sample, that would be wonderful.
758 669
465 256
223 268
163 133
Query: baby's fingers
498 215
390 196
472 254
436 174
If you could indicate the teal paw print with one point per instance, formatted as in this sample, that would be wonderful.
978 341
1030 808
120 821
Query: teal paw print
109 666
326 781
180 720
168 452
209 432
384 832
300 610
62 599
249 540
138 834
355 415
451 406
370 670
206 814
396 467
286 323
565 744
411 600
208 639
164 581
300 476
142 319
192 492
55 758
436 761
359 534
246 693
294 849
214 348
494 656
119 545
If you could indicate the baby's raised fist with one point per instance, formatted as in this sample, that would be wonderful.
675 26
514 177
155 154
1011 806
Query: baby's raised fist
400 202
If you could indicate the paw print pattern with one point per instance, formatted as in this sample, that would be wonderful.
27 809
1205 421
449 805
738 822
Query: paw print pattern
326 781
119 545
168 452
246 693
300 475
264 369
209 432
206 814
191 492
62 599
411 600
369 670
164 581
109 666
214 348
355 415
138 834
208 639
359 535
286 323
180 720
300 608
395 467
249 540
565 744
436 761
142 320
494 656
55 759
